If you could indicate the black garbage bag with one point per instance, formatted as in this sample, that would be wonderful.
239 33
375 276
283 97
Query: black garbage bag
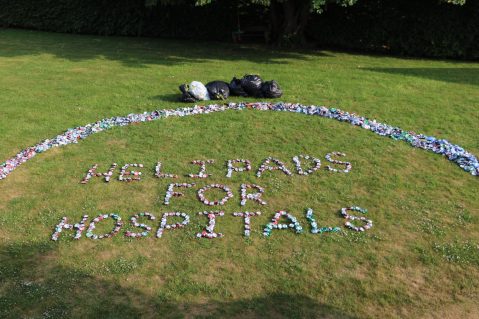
251 84
218 90
186 96
271 89
236 89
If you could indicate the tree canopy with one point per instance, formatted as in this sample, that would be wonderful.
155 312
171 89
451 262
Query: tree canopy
288 18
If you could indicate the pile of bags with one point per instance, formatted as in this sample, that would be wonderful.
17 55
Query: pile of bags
249 85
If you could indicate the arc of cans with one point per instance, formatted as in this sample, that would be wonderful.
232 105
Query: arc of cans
452 152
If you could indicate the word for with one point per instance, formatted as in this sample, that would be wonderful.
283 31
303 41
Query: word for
209 230
131 172
245 196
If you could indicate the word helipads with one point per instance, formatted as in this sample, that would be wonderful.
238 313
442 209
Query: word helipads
132 171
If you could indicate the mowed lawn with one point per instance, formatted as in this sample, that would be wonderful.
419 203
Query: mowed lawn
421 258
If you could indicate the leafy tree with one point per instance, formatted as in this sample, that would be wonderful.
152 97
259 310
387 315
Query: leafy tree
288 18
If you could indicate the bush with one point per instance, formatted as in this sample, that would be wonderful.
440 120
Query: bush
408 27
121 17
426 28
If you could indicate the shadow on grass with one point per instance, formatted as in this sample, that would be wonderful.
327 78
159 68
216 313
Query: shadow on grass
453 75
34 284
137 52
171 97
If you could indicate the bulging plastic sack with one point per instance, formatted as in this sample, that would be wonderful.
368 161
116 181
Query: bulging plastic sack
271 89
251 84
198 91
218 90
186 96
236 89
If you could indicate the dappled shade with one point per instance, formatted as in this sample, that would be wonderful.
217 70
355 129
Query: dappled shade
453 75
139 53
40 285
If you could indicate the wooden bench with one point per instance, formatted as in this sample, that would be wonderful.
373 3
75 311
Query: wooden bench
253 33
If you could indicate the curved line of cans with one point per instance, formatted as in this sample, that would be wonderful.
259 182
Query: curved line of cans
452 152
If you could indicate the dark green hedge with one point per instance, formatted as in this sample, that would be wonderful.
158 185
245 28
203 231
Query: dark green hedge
408 27
426 28
120 17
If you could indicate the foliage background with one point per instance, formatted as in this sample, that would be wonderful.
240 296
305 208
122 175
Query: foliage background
418 28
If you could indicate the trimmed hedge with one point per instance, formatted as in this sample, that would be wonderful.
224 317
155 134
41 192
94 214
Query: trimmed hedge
121 17
408 27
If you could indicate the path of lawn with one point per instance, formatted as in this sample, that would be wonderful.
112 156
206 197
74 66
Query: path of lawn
421 257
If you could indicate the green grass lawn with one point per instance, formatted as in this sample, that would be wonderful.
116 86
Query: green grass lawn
421 258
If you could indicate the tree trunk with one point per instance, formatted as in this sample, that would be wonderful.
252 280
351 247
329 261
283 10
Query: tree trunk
288 20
